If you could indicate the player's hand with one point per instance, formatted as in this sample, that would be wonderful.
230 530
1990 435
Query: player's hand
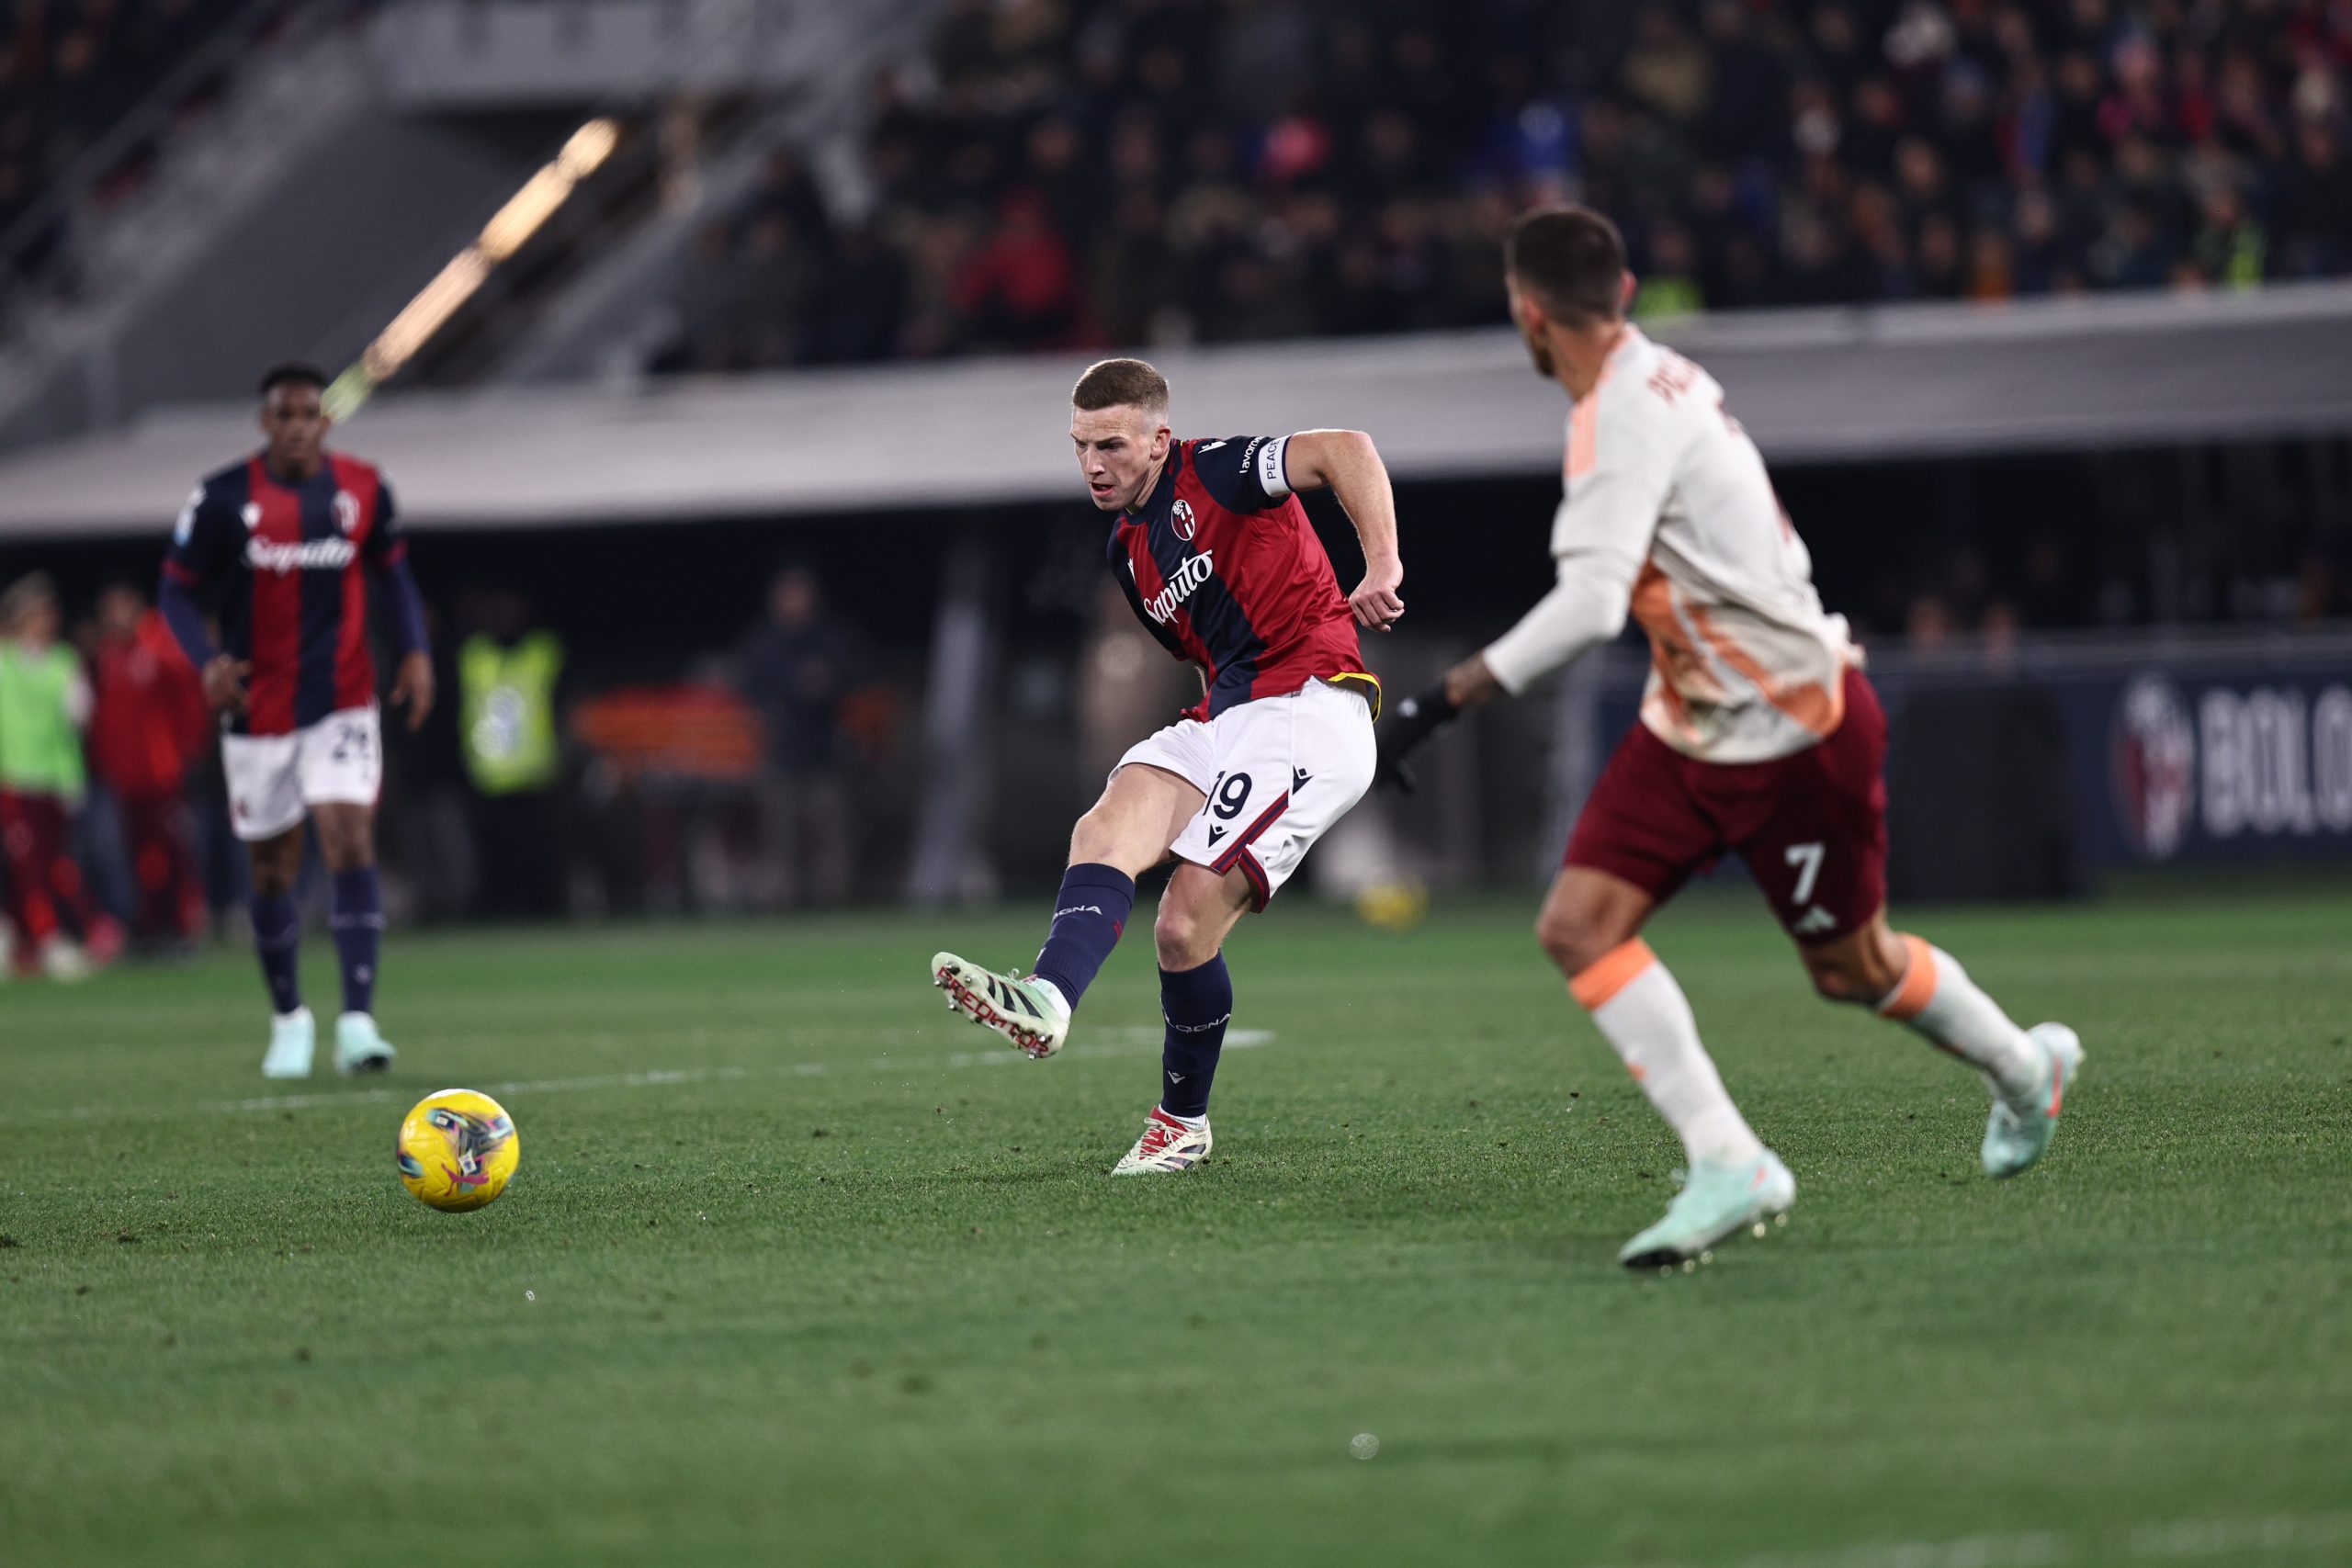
1405 730
224 684
1374 602
1393 772
413 688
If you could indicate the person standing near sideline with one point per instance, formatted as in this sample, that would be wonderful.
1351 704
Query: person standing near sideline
44 705
151 723
795 668
511 739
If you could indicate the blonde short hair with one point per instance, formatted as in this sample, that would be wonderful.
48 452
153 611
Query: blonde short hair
1121 383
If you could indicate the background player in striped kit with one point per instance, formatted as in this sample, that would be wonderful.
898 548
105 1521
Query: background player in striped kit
284 542
1759 735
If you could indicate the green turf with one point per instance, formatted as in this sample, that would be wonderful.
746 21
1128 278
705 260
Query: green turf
800 1269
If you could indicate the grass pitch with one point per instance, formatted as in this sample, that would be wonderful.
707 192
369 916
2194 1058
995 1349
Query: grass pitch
800 1269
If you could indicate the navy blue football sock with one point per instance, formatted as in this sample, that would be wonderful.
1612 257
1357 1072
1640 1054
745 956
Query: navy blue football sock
277 938
1090 912
357 921
1197 1004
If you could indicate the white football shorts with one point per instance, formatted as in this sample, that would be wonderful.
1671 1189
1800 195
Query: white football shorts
274 780
1278 772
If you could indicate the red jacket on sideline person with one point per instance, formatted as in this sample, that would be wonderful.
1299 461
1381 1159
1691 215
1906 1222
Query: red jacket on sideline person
151 721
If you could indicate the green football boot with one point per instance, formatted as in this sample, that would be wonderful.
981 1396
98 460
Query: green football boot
1717 1200
2020 1128
358 1048
1025 1011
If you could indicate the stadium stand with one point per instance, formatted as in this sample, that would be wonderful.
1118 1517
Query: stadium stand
71 69
1161 170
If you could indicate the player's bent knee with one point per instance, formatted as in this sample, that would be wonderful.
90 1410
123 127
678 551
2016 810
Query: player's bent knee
1179 934
1834 983
274 865
1846 977
1085 834
350 854
346 839
1098 837
1572 941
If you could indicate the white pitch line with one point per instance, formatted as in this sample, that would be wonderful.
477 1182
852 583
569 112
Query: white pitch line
1126 1043
2179 1541
2186 1540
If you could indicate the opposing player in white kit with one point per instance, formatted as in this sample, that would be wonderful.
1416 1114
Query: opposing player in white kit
1759 735
1217 558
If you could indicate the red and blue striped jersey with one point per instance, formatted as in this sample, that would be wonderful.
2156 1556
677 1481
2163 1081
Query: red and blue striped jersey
285 565
1221 564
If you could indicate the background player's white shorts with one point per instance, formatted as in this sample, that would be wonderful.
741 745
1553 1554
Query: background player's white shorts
274 779
1278 772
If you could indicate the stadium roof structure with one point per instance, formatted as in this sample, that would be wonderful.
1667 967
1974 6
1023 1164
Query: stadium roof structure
1812 385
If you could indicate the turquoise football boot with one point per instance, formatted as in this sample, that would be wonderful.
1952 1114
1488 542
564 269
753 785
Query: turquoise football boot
293 1038
358 1048
1717 1200
2020 1129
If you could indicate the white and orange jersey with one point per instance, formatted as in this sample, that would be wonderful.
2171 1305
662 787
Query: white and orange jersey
1669 513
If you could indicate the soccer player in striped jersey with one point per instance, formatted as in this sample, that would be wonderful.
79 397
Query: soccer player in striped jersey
1759 735
1217 558
284 544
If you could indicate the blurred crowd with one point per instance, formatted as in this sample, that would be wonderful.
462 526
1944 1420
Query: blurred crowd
70 69
746 785
1064 173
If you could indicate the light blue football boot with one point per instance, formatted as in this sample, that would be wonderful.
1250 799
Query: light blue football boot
293 1037
358 1048
1717 1200
2020 1128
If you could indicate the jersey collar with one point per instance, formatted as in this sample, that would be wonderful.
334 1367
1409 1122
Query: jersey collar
326 472
1617 351
1157 505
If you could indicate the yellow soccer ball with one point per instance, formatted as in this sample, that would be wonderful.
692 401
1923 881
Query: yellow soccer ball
457 1149
1396 905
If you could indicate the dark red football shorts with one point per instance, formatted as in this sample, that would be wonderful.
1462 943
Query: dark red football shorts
1812 827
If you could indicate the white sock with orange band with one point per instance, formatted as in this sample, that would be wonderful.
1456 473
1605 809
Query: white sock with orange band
1938 1000
1643 1014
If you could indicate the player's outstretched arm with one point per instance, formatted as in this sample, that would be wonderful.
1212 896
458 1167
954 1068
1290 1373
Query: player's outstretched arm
1349 465
1585 609
1600 536
1411 722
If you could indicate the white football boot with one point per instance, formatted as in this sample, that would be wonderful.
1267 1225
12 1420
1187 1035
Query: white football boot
1716 1201
65 962
358 1048
1029 1013
293 1037
1169 1143
2019 1129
